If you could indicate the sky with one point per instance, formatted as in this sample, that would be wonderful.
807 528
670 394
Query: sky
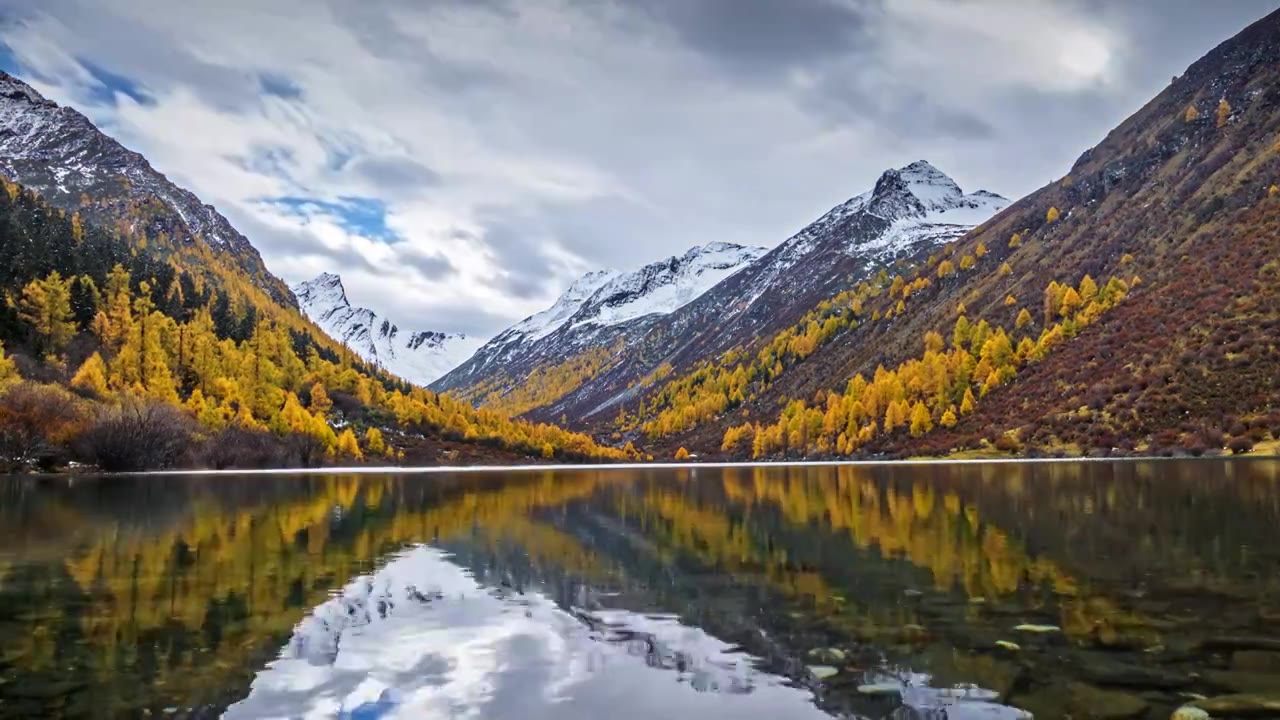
460 162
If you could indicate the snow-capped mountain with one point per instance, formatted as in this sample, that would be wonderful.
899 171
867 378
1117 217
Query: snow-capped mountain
419 357
600 306
908 212
59 153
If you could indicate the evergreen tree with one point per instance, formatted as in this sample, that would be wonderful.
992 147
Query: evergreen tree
45 305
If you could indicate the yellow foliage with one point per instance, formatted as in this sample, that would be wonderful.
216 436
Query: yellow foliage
347 445
1010 300
1224 112
8 371
1273 191
1005 269
375 444
946 269
682 455
981 250
1052 215
1015 241
1024 319
92 376
923 391
1191 115
967 262
46 306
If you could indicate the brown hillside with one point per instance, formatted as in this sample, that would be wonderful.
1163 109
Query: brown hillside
1181 198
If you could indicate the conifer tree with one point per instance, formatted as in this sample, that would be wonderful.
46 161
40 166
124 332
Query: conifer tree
92 376
45 305
1024 319
374 442
1053 215
8 370
682 455
1224 112
347 445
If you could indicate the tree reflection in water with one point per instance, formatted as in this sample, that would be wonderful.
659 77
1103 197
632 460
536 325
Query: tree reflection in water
124 594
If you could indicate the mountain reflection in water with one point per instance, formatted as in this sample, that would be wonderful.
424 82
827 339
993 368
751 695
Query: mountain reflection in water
927 591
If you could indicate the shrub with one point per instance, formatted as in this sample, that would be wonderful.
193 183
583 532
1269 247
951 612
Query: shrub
36 421
237 447
137 435
1240 445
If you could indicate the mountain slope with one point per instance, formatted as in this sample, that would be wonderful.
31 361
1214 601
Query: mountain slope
138 330
419 357
909 212
1180 204
60 154
596 312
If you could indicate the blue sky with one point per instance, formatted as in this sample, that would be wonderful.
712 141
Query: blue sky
460 162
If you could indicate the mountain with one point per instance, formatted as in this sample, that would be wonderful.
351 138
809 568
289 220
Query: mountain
58 153
598 310
909 212
140 330
419 357
1129 307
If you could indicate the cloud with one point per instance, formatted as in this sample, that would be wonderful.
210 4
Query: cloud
460 162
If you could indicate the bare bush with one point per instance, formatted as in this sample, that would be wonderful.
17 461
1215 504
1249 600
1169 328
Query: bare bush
237 447
137 435
36 421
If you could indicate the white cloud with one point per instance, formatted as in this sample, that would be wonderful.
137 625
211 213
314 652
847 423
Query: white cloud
516 144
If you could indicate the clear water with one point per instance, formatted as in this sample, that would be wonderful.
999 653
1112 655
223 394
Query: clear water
1093 589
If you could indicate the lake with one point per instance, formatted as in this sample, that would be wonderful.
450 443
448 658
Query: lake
993 591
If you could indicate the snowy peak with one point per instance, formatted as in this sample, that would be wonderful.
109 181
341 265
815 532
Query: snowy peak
664 286
419 357
921 190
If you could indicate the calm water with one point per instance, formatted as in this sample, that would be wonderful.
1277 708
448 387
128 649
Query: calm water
940 591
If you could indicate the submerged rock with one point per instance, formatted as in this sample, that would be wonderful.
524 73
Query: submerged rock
1236 681
822 672
1086 701
1038 629
1243 705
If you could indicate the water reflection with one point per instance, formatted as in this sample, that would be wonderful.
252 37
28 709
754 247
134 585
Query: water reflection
743 592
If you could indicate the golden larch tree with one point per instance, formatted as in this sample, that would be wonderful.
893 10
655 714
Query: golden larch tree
45 305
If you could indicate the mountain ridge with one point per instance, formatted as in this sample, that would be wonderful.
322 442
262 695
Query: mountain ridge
909 211
419 357
58 152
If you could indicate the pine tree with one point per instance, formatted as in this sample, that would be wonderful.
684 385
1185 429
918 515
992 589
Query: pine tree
85 300
92 376
1088 290
320 402
921 422
46 306
967 262
967 404
1191 115
1015 241
1224 112
8 370
1005 269
948 419
348 446
1053 215
1024 319
682 455
946 269
374 442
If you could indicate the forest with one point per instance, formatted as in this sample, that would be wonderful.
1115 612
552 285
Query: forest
127 351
